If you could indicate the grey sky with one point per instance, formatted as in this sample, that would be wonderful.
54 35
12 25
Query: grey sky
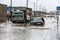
49 5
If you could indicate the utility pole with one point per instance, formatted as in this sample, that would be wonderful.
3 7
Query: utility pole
34 8
40 7
25 14
57 13
57 27
10 10
58 10
11 3
27 4
37 4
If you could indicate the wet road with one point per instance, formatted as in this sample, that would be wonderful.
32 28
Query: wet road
14 31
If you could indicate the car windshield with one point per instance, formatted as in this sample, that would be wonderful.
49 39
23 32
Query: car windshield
17 14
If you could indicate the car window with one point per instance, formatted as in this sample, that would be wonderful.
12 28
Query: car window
36 19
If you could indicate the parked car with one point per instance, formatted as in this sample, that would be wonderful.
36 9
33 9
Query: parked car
38 21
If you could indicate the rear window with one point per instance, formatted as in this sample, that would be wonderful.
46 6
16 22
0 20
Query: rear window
18 14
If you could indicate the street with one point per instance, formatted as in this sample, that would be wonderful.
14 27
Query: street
29 20
16 31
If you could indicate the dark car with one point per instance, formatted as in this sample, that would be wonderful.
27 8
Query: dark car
38 21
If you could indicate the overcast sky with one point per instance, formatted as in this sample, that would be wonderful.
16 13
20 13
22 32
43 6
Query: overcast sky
49 5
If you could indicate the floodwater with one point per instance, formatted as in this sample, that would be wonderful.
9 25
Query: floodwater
14 31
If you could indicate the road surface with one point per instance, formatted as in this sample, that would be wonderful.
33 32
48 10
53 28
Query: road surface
14 31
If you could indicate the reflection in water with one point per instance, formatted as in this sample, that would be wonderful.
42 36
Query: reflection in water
22 34
14 34
39 35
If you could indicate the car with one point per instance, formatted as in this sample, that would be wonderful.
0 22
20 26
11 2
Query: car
38 21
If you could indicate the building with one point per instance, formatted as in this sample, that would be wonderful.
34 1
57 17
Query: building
38 13
28 10
3 12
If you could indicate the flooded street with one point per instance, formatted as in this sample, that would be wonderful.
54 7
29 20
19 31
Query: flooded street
13 31
29 19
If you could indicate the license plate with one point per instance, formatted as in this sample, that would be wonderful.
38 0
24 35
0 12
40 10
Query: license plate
38 23
17 21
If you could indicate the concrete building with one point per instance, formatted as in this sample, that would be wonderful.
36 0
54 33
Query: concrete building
28 10
3 12
38 13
